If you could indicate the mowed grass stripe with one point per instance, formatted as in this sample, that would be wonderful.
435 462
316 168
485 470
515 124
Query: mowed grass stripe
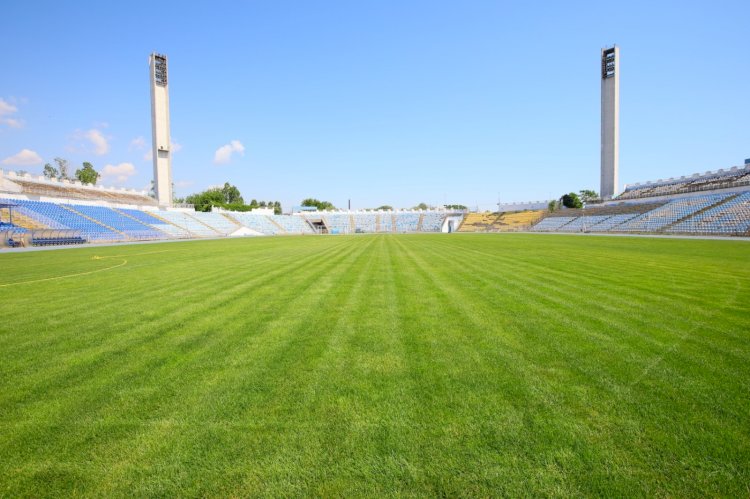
603 367
159 348
382 365
139 333
209 414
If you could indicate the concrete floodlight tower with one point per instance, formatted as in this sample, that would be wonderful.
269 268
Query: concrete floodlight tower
160 129
610 121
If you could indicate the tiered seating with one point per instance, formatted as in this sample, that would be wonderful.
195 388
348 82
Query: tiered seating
144 217
133 229
732 217
736 177
169 231
258 223
185 221
582 224
69 191
478 222
552 224
337 223
386 222
659 218
365 222
520 220
432 222
217 222
407 222
611 222
57 217
7 226
293 224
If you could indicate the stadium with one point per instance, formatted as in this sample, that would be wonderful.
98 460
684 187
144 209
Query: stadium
534 350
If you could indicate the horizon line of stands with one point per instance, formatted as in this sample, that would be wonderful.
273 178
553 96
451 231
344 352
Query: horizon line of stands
93 223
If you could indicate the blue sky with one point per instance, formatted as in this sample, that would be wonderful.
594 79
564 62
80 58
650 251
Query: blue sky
380 102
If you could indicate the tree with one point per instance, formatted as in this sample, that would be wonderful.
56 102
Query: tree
87 174
385 207
50 171
204 201
552 205
277 208
321 205
571 200
62 167
455 207
231 194
421 206
588 196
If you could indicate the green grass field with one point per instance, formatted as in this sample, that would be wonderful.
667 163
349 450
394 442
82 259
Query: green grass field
453 365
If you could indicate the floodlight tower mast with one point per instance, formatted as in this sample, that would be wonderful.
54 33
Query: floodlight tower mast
161 142
610 142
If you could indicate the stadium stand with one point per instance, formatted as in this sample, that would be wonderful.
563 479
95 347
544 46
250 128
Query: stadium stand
151 218
217 222
610 222
256 222
406 222
583 224
731 217
500 222
365 223
735 177
188 223
337 223
386 222
660 218
293 224
59 216
431 222
74 190
130 227
551 224
478 222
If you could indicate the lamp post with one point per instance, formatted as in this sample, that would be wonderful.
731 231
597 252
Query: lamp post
583 204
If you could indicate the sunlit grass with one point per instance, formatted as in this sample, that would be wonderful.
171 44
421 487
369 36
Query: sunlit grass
471 365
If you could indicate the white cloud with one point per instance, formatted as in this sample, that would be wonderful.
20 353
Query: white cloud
223 154
121 173
176 147
12 122
138 144
6 109
101 146
94 137
26 157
